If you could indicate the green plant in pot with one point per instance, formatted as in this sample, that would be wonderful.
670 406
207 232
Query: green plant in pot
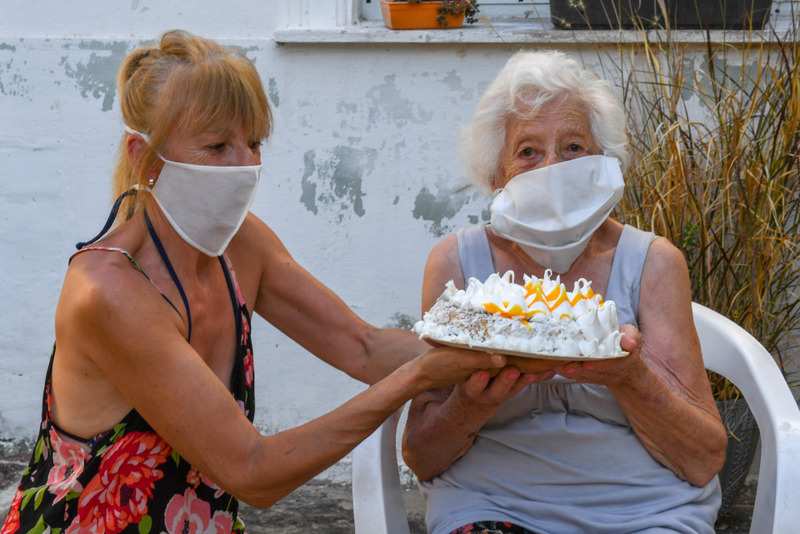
428 14
715 137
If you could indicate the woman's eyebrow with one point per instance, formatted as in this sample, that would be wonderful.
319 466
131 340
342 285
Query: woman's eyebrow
524 137
572 131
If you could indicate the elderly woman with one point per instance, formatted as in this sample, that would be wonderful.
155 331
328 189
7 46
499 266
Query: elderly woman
623 445
149 397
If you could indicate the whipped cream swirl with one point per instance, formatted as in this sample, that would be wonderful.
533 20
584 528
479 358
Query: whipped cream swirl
539 316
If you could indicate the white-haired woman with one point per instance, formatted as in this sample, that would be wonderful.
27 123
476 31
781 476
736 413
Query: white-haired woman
630 445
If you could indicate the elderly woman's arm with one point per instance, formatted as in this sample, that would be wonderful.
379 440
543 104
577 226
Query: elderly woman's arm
442 425
665 392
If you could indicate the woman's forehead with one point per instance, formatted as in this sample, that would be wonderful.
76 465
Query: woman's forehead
556 117
213 130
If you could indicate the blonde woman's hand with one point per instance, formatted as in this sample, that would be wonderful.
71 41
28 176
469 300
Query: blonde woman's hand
440 367
482 395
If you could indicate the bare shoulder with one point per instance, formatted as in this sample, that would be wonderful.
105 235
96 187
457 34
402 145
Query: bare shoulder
255 231
443 265
664 261
665 284
104 295
443 260
665 303
256 239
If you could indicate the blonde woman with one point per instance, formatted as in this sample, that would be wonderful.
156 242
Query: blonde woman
149 396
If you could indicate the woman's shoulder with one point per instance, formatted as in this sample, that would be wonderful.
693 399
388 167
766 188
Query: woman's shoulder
445 247
255 239
100 273
104 286
443 264
664 259
443 256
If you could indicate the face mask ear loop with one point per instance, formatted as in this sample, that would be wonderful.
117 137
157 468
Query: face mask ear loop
111 217
131 131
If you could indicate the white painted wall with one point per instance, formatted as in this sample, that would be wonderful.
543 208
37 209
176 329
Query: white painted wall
357 179
359 175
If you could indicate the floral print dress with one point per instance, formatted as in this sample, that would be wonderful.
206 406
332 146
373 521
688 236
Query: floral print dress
128 479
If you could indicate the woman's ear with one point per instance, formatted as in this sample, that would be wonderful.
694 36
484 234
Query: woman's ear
134 146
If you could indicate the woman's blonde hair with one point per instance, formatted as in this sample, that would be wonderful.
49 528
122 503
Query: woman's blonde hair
184 82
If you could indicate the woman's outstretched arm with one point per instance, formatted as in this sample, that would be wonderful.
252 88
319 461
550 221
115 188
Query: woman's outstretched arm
303 308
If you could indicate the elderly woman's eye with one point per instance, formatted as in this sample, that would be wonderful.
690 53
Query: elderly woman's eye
217 147
526 152
574 147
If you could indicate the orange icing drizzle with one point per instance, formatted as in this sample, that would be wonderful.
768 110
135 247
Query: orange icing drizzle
552 300
556 301
514 311
554 293
531 288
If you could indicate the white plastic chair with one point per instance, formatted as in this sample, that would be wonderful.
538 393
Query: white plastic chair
727 350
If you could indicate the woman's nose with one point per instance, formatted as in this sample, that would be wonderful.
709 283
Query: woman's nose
550 158
244 155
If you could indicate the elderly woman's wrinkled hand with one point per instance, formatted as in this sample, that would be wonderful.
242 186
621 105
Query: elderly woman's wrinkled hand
614 371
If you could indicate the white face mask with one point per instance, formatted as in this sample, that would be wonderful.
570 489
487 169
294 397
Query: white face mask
205 204
552 212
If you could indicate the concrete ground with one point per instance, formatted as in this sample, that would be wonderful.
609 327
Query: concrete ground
321 507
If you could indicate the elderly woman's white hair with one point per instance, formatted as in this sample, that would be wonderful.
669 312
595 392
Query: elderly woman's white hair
528 80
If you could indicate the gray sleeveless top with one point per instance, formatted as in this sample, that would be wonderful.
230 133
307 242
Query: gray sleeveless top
561 457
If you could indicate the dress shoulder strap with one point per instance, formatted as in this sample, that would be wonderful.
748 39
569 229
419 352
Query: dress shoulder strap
474 253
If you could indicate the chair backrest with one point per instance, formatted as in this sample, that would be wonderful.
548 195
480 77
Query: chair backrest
730 351
727 350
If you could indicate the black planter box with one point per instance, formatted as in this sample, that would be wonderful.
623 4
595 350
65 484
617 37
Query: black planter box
683 14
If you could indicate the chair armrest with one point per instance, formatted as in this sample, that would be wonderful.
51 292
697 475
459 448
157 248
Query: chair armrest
733 353
377 494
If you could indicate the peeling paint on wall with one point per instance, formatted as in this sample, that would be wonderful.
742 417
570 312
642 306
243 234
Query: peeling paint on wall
346 107
12 81
453 82
439 208
309 196
97 76
336 180
272 90
387 103
246 51
135 6
447 204
402 321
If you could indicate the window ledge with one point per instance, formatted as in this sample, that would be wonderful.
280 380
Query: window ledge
501 33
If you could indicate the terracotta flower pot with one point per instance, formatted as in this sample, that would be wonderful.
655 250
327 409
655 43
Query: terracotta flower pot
413 16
